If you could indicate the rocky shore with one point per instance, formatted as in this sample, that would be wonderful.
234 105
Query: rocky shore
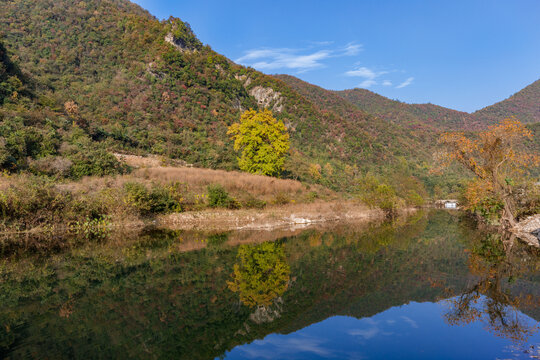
529 230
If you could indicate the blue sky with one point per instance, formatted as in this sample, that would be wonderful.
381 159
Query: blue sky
463 54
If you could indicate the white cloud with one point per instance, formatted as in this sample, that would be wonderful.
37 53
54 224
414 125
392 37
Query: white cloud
278 346
410 321
387 83
365 333
352 49
405 83
272 59
321 43
295 59
367 83
366 73
291 61
362 72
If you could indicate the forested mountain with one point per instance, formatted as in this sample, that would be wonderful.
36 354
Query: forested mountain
414 116
107 75
524 105
80 80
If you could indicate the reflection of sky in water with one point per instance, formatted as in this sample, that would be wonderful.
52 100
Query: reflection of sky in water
412 331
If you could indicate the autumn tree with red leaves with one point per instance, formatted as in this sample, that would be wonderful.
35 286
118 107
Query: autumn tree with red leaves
496 159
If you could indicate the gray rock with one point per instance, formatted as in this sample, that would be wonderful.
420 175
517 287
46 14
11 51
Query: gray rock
529 230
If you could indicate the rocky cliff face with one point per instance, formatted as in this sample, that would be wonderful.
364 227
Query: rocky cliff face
267 98
179 44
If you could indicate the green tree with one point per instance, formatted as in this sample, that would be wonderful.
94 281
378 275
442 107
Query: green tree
263 142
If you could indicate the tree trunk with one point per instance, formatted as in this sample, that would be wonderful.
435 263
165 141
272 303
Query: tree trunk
508 220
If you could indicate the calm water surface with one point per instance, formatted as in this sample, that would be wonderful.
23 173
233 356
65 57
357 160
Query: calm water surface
426 287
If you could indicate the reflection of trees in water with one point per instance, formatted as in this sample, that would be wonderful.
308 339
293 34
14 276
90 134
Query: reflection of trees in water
496 263
261 274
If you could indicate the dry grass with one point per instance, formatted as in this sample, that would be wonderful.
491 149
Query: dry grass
196 180
232 181
152 168
34 202
139 161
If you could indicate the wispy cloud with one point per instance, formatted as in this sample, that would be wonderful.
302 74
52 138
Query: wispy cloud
272 59
369 76
362 72
405 83
365 333
300 60
317 55
277 346
352 49
410 321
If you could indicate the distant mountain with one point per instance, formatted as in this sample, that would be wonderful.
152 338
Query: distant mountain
410 115
524 105
398 135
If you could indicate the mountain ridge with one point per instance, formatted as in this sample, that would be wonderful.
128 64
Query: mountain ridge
524 104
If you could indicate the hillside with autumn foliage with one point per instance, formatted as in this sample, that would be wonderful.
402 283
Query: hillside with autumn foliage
524 105
82 81
106 76
414 116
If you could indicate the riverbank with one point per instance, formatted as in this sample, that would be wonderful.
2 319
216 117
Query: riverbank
248 225
34 203
286 216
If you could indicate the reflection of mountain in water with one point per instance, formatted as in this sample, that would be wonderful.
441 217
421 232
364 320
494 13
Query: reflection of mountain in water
150 299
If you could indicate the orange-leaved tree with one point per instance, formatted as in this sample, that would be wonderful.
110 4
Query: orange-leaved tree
496 158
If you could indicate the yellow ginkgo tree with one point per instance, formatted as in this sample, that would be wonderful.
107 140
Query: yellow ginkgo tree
261 275
263 142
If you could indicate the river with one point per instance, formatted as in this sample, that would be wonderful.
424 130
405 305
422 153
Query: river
424 287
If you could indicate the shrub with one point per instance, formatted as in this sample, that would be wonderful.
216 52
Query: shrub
51 166
166 199
312 195
32 201
219 197
414 199
489 208
254 203
159 199
281 199
386 199
95 162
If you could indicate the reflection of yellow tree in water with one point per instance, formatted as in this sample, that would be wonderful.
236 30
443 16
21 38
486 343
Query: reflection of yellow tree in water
488 301
261 275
